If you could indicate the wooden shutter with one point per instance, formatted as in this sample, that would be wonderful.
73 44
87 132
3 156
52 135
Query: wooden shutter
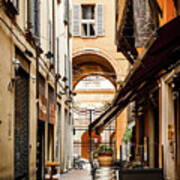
76 20
100 19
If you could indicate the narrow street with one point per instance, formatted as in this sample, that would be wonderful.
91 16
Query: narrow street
77 175
90 84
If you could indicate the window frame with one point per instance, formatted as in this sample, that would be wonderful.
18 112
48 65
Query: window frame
16 5
88 22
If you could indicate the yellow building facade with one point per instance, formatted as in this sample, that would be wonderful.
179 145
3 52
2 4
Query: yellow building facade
94 45
35 87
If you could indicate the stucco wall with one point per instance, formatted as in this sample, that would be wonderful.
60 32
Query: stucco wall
105 44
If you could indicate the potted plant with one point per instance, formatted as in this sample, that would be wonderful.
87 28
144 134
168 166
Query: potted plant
105 157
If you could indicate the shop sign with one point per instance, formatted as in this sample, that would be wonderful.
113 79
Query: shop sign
42 108
52 113
170 132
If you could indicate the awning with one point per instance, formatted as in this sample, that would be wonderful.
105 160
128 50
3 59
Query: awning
161 56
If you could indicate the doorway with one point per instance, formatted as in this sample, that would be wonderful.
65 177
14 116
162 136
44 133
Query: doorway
21 126
40 150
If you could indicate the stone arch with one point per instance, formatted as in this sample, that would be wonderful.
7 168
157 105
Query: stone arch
91 62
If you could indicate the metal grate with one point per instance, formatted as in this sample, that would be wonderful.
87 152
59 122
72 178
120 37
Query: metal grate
21 132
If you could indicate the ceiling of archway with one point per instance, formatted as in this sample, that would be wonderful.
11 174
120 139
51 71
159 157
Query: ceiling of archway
94 91
90 64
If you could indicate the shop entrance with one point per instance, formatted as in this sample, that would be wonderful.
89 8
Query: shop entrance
40 150
21 132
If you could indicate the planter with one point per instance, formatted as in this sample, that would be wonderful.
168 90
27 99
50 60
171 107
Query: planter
105 159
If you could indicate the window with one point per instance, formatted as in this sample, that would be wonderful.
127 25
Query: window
34 12
66 11
12 8
88 20
16 4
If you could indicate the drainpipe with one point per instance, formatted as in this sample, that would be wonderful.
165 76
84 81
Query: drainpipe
37 73
54 53
54 30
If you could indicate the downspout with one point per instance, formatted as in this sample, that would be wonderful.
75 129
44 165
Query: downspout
54 62
54 32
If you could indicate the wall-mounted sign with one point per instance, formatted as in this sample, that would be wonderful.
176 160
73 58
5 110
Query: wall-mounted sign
42 108
51 113
170 132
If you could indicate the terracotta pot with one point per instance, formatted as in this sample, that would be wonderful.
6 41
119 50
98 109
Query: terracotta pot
105 160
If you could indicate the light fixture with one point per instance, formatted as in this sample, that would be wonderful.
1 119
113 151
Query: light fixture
49 55
66 87
17 63
33 78
64 79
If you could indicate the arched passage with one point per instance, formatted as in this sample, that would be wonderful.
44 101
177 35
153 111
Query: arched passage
94 81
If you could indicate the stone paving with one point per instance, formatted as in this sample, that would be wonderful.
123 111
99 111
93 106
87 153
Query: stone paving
76 175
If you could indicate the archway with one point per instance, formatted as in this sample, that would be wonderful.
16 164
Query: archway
94 81
89 64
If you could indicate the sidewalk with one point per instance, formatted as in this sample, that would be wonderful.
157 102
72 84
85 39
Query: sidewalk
76 175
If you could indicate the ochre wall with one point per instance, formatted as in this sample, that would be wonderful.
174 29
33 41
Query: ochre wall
121 124
105 44
168 9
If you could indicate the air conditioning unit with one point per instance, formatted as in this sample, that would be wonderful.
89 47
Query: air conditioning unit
12 7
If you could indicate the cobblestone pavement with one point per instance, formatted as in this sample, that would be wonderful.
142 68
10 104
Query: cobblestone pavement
76 175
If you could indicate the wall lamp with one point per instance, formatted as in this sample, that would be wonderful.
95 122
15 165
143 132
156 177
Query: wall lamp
66 87
49 55
64 79
33 78
17 63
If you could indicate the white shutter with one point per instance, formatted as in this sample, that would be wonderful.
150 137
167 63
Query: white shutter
100 19
50 35
76 20
33 16
58 49
15 3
